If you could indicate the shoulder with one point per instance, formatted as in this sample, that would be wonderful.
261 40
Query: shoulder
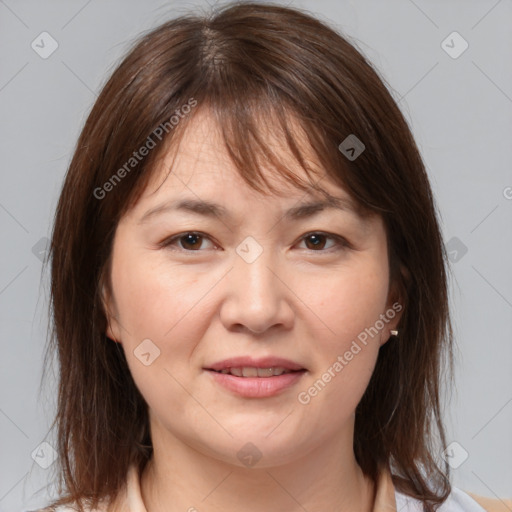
60 508
492 505
68 508
457 501
128 499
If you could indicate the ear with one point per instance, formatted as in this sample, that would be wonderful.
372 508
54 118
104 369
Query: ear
395 305
113 330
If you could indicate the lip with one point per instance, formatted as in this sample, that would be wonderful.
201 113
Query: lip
263 362
256 387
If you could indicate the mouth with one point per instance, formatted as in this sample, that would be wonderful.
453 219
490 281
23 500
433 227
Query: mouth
246 366
252 371
256 378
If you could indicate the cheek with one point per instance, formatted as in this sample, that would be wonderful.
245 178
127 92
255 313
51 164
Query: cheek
154 299
348 301
162 304
169 303
348 306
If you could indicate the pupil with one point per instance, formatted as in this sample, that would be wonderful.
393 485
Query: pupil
189 239
316 240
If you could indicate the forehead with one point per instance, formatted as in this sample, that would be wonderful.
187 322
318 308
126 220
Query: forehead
197 175
201 179
200 159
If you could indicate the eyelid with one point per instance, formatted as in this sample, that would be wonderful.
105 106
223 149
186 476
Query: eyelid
341 242
168 241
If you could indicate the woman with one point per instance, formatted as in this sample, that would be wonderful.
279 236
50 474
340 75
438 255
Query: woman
248 282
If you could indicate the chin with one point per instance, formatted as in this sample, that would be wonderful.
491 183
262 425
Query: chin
255 448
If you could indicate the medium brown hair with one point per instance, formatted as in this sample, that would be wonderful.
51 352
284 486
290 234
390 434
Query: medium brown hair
248 63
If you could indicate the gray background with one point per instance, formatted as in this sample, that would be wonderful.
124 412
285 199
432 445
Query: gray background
460 110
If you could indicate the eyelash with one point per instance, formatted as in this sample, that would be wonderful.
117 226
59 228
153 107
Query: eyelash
340 241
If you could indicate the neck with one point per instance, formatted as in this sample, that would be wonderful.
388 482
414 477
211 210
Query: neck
180 478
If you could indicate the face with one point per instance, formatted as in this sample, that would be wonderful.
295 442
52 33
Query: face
211 306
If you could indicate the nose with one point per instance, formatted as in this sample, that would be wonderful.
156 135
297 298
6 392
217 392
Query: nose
258 298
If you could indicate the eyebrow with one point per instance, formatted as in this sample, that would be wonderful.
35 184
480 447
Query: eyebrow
214 210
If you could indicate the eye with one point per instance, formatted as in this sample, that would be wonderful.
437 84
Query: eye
316 241
190 241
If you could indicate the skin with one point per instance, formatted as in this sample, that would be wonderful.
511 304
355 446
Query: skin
200 302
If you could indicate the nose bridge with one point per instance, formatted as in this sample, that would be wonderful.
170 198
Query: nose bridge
252 272
256 297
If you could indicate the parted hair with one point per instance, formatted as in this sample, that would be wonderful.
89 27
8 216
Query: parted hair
255 67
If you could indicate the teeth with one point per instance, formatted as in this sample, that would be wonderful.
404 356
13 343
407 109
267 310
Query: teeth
266 372
249 371
275 371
